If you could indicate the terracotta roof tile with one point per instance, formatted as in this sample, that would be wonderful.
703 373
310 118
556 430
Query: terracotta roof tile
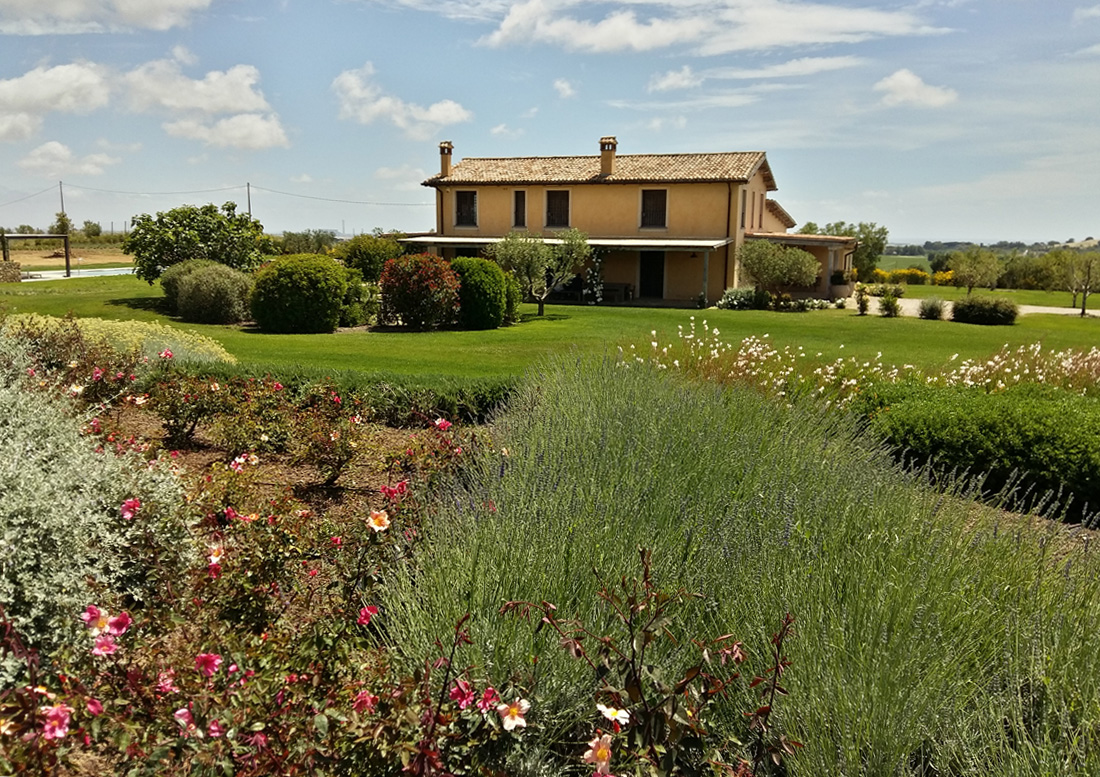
780 213
737 166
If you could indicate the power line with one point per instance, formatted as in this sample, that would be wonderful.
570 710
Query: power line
156 194
350 202
36 194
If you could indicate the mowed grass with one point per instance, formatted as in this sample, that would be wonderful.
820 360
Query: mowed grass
509 351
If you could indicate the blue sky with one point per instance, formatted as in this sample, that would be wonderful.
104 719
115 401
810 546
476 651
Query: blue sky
941 119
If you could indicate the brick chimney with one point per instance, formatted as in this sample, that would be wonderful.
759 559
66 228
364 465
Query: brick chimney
607 155
445 149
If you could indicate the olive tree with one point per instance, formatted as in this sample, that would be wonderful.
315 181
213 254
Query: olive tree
976 266
539 267
772 266
190 232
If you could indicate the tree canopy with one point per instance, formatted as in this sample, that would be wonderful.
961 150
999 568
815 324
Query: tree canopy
190 232
773 266
540 268
872 242
976 266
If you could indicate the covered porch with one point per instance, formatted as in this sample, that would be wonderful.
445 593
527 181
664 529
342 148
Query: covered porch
635 270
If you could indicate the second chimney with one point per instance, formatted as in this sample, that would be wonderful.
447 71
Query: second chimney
445 150
607 155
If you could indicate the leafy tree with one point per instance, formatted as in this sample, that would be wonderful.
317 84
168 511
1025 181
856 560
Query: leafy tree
62 224
975 266
871 242
773 266
312 241
190 232
92 229
538 266
369 253
25 229
1077 272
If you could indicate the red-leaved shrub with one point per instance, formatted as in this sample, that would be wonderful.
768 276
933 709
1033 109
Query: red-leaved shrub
419 291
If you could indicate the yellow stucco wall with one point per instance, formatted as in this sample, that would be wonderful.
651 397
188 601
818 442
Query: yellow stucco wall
602 210
694 210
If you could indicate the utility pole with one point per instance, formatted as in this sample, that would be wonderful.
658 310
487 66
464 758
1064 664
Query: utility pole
248 190
61 191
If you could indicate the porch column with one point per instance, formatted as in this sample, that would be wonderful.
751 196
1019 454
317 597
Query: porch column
706 275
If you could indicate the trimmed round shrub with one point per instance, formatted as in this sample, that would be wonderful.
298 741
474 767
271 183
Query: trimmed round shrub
300 293
931 309
991 311
170 280
513 296
353 310
482 295
369 254
419 291
214 295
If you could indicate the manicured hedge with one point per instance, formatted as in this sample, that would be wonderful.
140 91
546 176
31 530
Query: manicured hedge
217 294
994 311
1041 438
482 294
170 279
300 293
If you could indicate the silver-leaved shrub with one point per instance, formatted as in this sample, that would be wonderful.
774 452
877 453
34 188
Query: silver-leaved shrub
78 525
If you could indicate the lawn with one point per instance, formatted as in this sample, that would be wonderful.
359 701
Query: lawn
1054 299
509 351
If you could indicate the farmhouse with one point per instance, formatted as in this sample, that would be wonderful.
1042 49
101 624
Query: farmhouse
667 226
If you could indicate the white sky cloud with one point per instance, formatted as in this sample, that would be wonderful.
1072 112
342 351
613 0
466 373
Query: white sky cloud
659 124
60 17
303 178
54 159
710 27
1081 14
564 89
795 68
683 78
904 87
364 101
162 84
249 131
25 100
75 88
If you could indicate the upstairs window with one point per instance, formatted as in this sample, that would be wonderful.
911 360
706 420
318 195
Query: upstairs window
465 209
557 209
654 207
519 209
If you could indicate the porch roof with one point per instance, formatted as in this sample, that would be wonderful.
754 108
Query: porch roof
621 243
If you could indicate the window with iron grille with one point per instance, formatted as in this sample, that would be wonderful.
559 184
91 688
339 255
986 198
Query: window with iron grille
654 206
465 209
557 209
519 211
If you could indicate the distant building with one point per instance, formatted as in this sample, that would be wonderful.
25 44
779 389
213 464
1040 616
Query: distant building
668 225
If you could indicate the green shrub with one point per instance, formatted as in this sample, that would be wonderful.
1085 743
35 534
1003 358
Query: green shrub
747 298
300 293
217 294
64 543
170 280
1038 438
369 254
888 306
481 293
513 297
910 275
931 309
419 291
353 310
993 311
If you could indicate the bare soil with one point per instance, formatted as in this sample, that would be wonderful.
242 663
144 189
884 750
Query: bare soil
54 258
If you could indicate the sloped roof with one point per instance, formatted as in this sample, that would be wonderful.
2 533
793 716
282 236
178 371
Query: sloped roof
778 211
735 166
